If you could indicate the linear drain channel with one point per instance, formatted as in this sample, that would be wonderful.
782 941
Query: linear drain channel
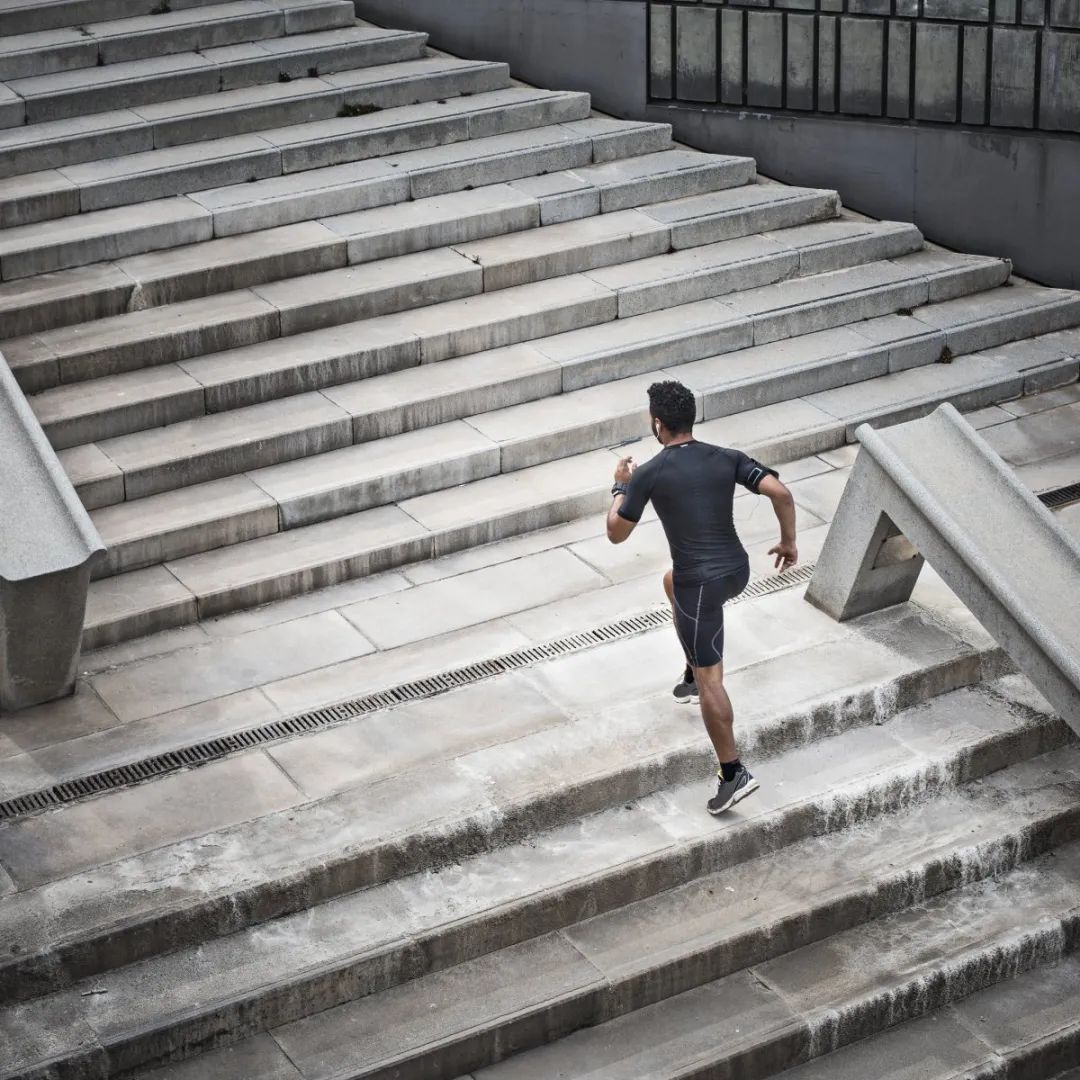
190 757
1060 497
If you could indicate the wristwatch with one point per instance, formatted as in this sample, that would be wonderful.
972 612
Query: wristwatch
619 488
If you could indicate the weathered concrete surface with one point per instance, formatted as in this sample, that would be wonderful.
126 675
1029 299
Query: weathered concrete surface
932 490
996 191
47 549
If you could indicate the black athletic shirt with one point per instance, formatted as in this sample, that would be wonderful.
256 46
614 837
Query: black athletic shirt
692 487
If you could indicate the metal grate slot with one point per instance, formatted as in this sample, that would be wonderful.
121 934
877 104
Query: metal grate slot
204 753
1060 497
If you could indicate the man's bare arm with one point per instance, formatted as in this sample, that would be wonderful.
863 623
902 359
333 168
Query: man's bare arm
618 528
786 552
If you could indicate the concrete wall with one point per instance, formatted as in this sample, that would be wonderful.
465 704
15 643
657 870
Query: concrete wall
854 113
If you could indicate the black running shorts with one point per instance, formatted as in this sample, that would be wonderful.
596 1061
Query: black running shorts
699 616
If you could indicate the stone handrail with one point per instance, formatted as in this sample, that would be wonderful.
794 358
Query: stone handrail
934 490
48 545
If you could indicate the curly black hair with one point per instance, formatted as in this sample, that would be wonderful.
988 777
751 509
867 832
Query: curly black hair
673 405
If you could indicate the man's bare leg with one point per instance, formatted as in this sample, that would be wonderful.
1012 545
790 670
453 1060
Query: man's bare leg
716 711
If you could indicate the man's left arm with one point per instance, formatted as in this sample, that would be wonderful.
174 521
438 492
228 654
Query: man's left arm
624 513
786 552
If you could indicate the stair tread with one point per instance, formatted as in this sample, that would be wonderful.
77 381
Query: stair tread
210 58
231 968
345 474
721 1021
362 289
1002 1021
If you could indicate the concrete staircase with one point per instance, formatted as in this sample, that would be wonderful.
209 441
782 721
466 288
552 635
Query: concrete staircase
306 307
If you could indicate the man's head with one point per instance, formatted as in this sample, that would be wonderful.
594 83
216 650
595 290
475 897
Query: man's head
672 409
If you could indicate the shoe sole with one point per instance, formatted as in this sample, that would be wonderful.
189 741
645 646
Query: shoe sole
692 699
736 798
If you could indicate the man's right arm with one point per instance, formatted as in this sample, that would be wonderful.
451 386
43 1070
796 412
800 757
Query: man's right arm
786 552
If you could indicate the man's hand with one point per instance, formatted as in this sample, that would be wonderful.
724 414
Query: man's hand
787 555
624 470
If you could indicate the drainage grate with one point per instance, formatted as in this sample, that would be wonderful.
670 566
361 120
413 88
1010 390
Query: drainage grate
204 753
1060 497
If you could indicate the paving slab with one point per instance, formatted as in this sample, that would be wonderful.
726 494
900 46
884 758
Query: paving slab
471 598
135 740
1029 439
423 734
42 849
170 683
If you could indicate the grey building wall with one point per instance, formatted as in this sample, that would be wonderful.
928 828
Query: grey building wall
960 115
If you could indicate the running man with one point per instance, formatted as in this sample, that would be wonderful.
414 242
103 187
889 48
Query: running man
691 485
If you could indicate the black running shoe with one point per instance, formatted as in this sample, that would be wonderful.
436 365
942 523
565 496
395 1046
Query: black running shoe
686 689
729 792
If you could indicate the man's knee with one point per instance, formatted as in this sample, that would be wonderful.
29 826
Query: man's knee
669 587
710 676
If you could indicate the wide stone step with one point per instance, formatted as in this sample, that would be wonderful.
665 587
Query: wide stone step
142 128
778 1013
521 900
282 309
42 196
70 416
29 16
176 222
197 166
522 158
94 44
1024 1026
156 174
206 71
190 451
177 332
215 266
312 488
354 545
1021 1026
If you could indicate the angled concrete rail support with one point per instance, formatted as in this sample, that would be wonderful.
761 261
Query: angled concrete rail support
933 490
47 548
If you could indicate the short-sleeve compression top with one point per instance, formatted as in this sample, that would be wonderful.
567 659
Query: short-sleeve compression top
692 487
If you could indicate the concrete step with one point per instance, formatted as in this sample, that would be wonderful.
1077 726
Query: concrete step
29 16
521 158
156 174
316 487
523 899
95 44
141 128
164 456
121 343
186 74
795 1007
1024 1026
424 280
128 231
308 557
295 251
49 194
